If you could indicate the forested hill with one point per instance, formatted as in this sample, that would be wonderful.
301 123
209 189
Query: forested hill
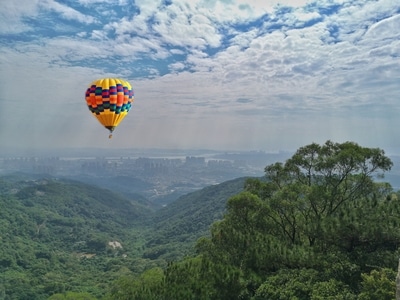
69 198
177 226
61 235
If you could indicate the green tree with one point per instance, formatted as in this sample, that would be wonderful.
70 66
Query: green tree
331 290
378 284
287 284
315 183
149 285
72 296
320 210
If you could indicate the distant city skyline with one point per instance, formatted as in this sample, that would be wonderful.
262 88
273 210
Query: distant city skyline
168 172
222 75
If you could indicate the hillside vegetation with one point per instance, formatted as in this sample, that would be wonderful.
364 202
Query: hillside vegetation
315 227
318 227
61 235
176 227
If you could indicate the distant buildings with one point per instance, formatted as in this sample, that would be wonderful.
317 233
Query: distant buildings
158 177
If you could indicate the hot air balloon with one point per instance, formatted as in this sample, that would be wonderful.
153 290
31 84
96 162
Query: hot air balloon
109 100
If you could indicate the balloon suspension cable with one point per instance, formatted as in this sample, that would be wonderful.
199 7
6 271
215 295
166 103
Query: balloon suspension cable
111 129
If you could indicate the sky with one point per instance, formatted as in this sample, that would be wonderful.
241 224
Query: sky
207 74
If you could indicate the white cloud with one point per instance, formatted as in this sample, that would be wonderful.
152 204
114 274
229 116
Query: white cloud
179 25
304 16
387 28
177 66
242 10
194 24
354 18
66 12
244 39
13 12
97 2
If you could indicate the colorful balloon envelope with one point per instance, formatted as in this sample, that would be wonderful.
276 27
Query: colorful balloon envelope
109 100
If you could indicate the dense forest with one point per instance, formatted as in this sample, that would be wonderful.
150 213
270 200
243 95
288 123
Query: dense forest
63 237
316 226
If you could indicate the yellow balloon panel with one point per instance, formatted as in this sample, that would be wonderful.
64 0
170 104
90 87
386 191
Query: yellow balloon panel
110 119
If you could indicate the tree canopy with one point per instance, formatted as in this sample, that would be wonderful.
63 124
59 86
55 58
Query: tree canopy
317 226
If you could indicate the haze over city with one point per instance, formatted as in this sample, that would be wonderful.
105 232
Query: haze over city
245 75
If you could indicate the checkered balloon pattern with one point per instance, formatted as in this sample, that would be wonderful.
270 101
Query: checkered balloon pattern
109 100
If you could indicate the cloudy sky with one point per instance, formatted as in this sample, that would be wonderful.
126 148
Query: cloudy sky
216 74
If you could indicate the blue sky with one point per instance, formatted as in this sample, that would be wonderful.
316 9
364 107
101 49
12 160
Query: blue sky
226 75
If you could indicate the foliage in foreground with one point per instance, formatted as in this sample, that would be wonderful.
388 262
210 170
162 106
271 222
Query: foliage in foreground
318 227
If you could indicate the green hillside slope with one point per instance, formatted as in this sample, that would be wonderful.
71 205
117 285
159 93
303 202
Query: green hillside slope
60 235
177 226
